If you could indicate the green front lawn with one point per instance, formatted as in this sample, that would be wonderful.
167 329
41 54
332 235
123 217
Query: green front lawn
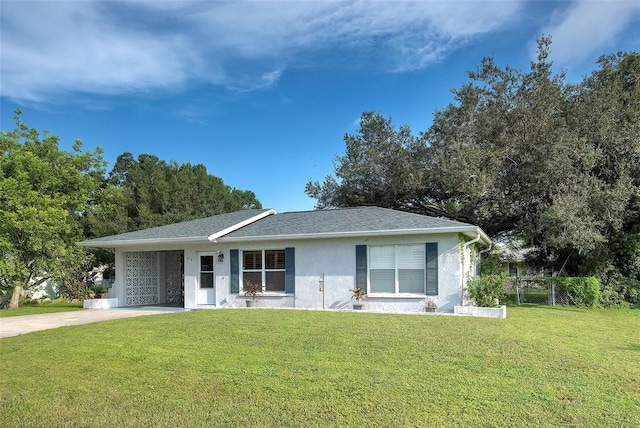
36 308
542 366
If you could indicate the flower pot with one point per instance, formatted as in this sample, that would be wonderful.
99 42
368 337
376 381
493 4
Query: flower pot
249 303
357 306
429 309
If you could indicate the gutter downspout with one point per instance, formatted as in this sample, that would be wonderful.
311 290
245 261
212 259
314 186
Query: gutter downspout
489 248
464 259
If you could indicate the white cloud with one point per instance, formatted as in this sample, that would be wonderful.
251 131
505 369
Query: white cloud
62 46
587 28
57 47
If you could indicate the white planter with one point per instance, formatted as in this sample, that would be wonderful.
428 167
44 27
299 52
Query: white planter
476 311
100 303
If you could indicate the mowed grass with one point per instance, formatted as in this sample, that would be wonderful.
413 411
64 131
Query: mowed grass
541 366
35 308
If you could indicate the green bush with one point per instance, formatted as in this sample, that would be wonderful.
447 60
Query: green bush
491 263
100 290
487 291
613 282
610 298
582 291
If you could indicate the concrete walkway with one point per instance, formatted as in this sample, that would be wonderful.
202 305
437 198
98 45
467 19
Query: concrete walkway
14 326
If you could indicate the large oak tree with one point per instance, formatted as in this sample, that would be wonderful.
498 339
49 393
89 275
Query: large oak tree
521 153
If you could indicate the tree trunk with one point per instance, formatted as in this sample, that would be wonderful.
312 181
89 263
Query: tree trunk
15 297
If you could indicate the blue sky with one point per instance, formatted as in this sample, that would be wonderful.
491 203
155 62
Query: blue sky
263 92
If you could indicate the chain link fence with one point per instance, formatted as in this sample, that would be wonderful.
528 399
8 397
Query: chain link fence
538 290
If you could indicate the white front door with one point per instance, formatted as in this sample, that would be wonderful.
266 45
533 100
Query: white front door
206 280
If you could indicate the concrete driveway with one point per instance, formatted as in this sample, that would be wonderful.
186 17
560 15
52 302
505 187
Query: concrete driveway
14 326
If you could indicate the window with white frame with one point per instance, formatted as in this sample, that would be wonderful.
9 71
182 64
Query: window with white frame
397 269
265 268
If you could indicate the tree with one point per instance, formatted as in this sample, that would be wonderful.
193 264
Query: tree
609 99
50 199
379 167
43 190
148 192
520 153
527 171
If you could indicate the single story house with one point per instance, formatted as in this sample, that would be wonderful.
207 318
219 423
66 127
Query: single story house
307 259
514 261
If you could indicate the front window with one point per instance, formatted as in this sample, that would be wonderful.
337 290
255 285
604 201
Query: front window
265 268
397 269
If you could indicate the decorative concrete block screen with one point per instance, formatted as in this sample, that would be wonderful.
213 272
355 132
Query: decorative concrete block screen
141 277
173 273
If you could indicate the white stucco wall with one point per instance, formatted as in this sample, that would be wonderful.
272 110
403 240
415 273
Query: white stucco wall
335 258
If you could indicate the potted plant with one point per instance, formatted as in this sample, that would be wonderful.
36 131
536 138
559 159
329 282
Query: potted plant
357 295
98 292
429 305
251 289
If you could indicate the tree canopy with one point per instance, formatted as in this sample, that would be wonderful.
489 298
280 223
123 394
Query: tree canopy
43 191
50 199
523 154
148 192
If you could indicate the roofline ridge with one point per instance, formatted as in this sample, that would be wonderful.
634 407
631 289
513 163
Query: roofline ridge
214 237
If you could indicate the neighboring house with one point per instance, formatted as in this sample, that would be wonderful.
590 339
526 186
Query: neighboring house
305 259
514 261
49 289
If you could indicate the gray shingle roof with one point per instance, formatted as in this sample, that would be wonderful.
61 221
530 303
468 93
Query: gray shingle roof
348 220
360 221
188 230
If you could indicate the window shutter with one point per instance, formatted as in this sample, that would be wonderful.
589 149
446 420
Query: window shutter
234 277
361 266
431 250
290 270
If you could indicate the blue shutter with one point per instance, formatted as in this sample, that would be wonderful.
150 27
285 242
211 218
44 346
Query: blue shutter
234 278
361 266
290 270
432 268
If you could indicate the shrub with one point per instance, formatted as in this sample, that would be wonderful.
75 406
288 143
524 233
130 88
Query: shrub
99 290
610 298
581 291
613 282
491 263
487 291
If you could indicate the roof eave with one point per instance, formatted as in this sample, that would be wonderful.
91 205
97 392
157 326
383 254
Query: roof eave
472 231
96 243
